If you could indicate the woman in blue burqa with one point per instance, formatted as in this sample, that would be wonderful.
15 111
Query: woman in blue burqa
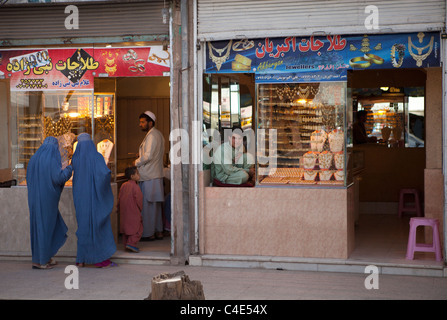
45 181
93 200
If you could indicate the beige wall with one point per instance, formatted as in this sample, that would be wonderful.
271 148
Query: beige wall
288 222
434 178
387 170
14 229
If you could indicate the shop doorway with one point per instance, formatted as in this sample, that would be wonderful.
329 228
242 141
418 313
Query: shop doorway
392 159
134 95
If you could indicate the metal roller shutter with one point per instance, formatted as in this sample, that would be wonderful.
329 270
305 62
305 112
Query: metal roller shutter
233 19
124 20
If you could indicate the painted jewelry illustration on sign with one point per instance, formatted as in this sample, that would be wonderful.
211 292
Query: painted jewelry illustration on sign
221 59
137 65
110 64
159 56
419 57
397 54
289 58
365 61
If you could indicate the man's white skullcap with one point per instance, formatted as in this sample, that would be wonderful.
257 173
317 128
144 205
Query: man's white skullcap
151 115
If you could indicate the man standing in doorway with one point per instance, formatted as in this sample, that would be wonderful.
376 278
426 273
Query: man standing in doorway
150 167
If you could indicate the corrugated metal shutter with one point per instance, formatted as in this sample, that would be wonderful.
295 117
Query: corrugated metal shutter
95 20
231 19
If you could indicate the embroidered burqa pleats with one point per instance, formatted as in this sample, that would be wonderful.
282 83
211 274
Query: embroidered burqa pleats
45 181
93 200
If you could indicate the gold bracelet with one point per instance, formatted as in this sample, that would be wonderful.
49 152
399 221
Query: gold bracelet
359 62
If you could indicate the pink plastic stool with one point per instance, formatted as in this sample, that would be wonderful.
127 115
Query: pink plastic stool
415 208
413 246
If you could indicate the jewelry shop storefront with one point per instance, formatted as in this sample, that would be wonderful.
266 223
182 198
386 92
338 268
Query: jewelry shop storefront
63 92
295 99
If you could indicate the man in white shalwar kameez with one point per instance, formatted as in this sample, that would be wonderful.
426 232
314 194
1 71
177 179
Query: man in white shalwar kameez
150 167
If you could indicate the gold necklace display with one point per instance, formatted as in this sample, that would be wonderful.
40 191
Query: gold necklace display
289 93
105 126
419 57
285 92
56 128
221 59
303 93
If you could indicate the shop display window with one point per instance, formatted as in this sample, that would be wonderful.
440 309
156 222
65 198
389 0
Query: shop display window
228 101
64 115
396 119
302 134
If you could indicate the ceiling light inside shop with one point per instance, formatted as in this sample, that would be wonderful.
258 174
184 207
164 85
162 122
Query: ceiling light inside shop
384 88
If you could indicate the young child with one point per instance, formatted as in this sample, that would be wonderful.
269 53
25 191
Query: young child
130 203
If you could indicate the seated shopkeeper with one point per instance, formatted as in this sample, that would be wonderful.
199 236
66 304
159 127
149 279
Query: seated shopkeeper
231 164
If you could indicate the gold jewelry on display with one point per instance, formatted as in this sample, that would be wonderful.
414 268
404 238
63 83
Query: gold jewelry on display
286 92
359 62
56 128
303 93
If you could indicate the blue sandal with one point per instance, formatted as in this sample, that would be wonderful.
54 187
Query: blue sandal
132 248
42 266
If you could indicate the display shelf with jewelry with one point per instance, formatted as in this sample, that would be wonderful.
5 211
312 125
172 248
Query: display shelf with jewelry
307 146
386 115
104 129
29 139
64 115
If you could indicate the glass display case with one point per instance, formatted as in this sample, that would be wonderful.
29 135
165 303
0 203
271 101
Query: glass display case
386 120
302 134
64 115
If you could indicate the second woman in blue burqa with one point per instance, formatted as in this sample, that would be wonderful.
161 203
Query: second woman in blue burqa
93 200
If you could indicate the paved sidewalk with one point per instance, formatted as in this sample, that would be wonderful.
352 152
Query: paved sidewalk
132 282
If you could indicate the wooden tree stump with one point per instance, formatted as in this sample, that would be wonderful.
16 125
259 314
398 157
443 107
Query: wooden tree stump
175 286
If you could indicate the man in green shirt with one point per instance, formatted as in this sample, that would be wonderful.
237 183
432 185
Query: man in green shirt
231 165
